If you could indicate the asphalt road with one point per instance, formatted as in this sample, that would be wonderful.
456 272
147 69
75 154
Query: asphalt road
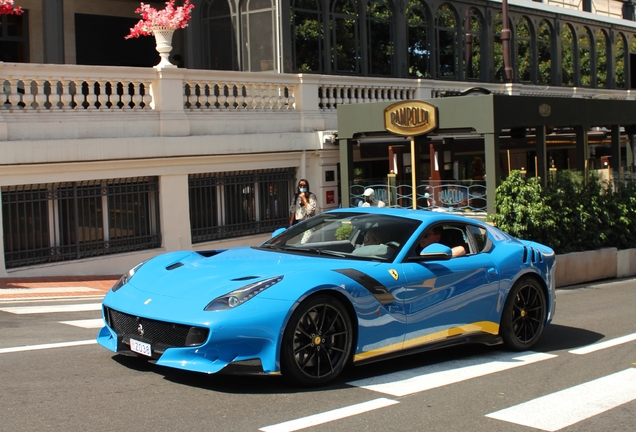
86 388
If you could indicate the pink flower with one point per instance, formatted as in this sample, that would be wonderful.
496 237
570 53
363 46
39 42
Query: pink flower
6 8
172 17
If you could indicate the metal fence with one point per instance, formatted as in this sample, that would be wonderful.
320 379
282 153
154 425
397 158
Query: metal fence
234 204
439 196
52 222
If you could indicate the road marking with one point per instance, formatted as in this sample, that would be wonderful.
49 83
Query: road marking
47 346
87 323
329 416
602 345
46 290
564 408
428 377
53 308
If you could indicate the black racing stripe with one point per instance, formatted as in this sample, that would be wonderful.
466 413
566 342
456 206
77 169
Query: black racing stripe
378 290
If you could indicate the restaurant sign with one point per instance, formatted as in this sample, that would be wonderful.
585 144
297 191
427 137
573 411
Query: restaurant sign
410 118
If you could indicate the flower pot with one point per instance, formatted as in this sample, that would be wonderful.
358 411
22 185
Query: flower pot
163 38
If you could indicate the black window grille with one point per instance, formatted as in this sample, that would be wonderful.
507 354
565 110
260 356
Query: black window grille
65 221
234 204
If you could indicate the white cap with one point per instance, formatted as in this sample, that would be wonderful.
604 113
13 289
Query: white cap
368 192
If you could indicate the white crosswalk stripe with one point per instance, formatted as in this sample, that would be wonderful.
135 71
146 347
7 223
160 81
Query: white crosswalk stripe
87 323
605 344
567 407
438 375
56 290
52 308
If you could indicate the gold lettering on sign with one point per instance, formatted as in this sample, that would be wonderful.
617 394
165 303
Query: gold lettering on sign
410 118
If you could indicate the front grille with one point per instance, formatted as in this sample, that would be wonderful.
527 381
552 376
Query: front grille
160 334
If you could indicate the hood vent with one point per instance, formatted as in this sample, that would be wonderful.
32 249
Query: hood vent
174 266
244 278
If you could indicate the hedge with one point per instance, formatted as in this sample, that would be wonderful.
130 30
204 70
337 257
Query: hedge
568 215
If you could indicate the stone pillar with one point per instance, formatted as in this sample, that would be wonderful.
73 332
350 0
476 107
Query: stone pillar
167 100
53 31
175 212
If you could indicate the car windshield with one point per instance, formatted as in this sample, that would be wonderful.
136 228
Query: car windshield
347 235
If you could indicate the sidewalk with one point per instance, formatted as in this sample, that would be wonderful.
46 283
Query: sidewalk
55 287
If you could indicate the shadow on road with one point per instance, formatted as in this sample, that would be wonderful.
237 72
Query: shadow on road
554 338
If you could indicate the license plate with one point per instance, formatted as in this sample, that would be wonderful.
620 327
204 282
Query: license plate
141 347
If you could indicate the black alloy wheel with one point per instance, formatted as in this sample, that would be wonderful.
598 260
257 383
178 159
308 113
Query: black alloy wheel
317 342
524 315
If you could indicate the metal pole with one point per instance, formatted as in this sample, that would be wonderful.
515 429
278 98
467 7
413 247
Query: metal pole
505 42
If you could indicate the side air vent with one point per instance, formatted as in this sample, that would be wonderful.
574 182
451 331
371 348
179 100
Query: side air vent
531 255
174 266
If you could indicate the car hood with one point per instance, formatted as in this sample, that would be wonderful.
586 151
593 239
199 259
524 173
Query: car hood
190 275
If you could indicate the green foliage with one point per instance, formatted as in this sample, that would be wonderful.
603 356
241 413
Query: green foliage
568 215
344 232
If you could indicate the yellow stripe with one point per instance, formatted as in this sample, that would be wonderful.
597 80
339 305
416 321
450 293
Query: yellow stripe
478 327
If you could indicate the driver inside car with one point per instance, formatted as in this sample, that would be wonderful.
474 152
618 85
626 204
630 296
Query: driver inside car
374 243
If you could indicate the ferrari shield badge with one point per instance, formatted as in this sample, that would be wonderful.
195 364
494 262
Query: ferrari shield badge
394 273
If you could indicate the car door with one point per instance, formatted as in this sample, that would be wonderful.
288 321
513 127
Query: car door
445 298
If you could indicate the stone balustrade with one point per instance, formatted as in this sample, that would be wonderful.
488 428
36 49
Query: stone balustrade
308 102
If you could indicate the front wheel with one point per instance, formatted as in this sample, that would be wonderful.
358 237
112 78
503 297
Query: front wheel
524 315
317 342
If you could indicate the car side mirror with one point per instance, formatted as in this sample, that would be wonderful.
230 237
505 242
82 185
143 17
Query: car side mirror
278 231
434 252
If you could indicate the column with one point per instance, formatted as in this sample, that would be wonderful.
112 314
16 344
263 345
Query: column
346 170
493 171
542 153
616 162
174 212
53 31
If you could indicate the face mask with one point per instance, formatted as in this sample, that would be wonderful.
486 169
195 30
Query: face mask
303 190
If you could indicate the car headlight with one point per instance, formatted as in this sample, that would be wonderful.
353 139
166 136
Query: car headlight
126 277
241 295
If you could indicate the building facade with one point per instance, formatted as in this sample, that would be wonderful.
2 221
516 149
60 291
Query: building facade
107 161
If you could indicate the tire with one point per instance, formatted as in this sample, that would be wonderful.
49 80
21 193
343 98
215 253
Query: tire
317 342
524 315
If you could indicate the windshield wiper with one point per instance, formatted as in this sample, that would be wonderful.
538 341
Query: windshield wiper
312 250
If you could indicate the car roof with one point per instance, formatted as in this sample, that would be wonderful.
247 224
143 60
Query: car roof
420 215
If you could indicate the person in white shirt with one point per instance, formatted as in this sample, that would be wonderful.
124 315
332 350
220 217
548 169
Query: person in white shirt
370 200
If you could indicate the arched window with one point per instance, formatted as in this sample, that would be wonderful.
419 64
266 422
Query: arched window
446 31
472 44
498 48
601 59
419 49
567 55
345 37
379 41
307 36
523 39
257 38
544 45
619 64
585 51
218 24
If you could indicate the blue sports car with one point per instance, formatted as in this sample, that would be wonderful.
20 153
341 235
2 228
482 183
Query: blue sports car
346 286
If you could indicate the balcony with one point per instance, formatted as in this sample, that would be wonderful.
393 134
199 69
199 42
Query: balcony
81 109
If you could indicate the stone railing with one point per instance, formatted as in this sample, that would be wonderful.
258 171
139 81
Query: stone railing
38 87
177 93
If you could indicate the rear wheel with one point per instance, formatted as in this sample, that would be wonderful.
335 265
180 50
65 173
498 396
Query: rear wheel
524 315
317 341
